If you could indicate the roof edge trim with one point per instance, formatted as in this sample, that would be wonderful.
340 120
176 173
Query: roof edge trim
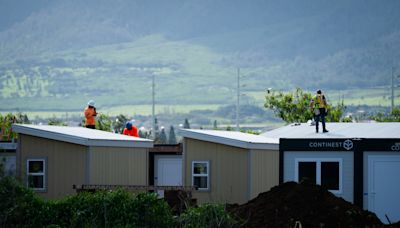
227 141
80 140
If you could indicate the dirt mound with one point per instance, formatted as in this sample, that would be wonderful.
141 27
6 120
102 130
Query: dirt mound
310 205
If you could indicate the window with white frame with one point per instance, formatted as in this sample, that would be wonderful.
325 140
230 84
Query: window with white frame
200 174
326 172
36 173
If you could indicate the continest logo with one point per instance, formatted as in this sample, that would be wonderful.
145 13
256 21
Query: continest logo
348 144
396 147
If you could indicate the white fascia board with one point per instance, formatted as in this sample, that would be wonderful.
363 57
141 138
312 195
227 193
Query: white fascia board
228 141
49 135
263 146
81 140
215 139
117 143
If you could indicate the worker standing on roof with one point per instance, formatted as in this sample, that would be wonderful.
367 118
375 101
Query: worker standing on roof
90 115
318 106
130 129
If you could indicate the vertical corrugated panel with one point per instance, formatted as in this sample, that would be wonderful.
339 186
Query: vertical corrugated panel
69 163
231 180
118 166
228 171
65 163
264 171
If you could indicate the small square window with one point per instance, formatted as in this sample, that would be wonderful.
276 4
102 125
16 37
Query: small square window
200 174
200 168
36 174
35 166
35 182
200 182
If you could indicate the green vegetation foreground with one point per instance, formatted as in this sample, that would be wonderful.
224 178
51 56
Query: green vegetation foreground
20 207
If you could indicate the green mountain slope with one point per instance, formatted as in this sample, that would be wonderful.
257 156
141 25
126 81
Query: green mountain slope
66 52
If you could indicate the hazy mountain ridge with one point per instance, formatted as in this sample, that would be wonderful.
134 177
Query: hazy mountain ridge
63 48
63 25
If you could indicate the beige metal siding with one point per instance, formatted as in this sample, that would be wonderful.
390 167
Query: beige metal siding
228 171
118 165
264 171
65 163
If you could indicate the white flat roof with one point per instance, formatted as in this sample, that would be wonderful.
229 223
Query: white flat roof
338 130
232 138
82 136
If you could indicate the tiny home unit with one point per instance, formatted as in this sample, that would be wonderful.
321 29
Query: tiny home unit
51 159
227 166
359 162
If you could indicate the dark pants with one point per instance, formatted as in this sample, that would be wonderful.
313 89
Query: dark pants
91 126
321 117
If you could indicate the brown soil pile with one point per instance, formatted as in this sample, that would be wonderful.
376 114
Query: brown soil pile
310 205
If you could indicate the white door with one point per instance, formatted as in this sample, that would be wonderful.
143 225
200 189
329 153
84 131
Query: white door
168 170
384 187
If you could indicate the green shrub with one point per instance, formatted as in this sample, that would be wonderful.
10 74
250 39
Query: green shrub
112 208
151 211
80 210
207 215
20 206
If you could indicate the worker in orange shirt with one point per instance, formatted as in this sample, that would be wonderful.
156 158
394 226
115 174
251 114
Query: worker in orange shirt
130 130
90 115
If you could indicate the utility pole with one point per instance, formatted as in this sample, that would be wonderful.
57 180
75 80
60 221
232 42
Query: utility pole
392 96
238 98
153 133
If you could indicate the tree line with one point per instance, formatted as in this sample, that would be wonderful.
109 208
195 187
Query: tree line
295 107
287 106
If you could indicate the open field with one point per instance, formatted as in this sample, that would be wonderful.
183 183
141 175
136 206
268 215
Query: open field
39 108
125 110
147 109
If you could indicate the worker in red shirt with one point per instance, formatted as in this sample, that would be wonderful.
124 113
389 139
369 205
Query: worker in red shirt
130 130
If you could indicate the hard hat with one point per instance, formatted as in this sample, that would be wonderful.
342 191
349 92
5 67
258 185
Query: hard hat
128 125
91 103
